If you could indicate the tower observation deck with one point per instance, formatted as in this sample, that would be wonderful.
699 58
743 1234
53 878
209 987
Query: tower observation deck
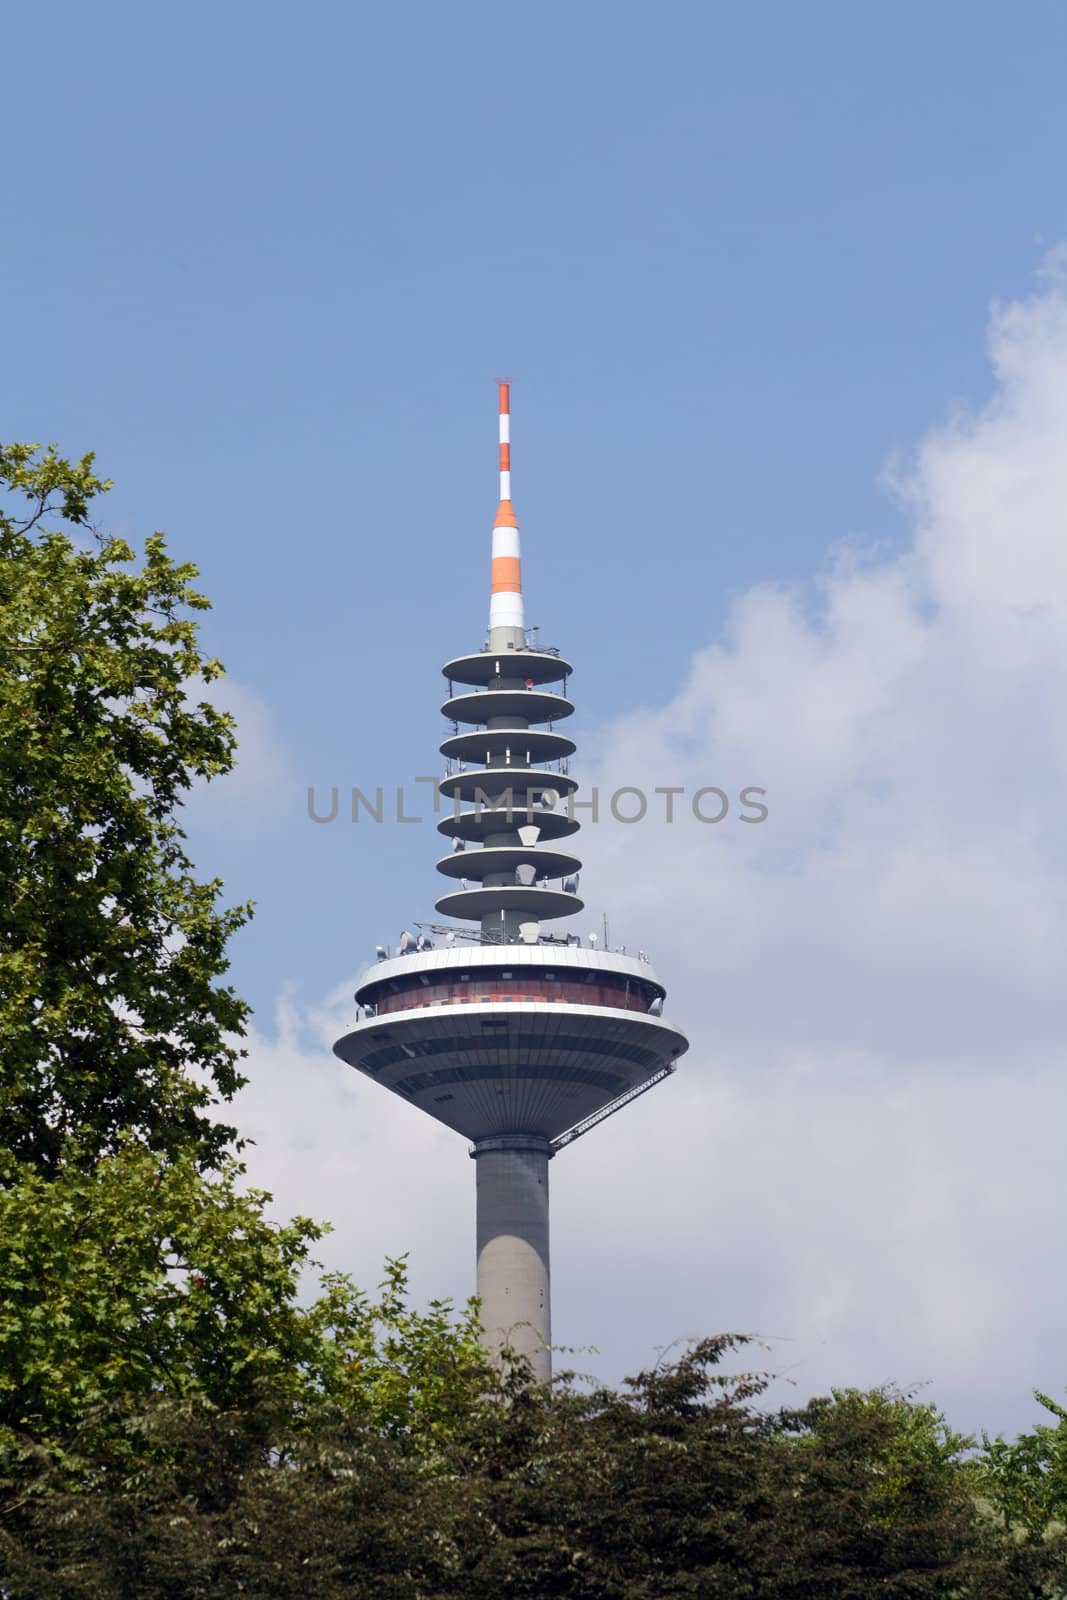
518 1037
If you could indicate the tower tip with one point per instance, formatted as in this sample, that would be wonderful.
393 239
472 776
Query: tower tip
505 516
505 605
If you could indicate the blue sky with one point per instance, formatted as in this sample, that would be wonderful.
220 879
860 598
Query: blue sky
738 261
268 262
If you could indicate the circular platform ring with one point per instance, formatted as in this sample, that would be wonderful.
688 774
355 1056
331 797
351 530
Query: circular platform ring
472 826
478 864
533 705
495 1068
528 745
536 904
498 780
537 666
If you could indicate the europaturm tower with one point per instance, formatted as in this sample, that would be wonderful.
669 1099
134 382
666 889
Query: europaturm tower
518 1038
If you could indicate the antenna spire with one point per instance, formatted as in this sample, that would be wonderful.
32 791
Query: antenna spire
506 616
504 390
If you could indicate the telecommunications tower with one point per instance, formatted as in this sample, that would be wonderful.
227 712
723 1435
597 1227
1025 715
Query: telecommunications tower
518 1038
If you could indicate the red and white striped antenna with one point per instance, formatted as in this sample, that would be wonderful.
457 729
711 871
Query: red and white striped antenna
505 602
504 390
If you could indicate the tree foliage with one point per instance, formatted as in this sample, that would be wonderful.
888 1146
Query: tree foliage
112 1015
678 1486
144 1276
1025 1479
134 1267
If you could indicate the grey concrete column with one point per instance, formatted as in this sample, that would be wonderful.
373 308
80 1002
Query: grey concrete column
513 1270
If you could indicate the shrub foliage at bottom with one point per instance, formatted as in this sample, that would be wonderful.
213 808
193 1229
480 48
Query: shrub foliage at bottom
678 1486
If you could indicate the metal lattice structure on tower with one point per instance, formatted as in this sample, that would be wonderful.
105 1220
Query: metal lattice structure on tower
517 1038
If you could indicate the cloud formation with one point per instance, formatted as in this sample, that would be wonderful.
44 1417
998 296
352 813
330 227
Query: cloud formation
859 1157
259 792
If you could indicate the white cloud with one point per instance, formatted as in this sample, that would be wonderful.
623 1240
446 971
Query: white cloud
259 792
330 1145
860 1155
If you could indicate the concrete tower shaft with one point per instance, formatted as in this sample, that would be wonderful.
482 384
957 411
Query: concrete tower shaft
514 1283
517 1038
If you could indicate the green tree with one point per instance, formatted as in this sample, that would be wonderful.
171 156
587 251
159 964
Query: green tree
876 1501
1024 1480
676 1488
132 1264
111 951
144 1276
